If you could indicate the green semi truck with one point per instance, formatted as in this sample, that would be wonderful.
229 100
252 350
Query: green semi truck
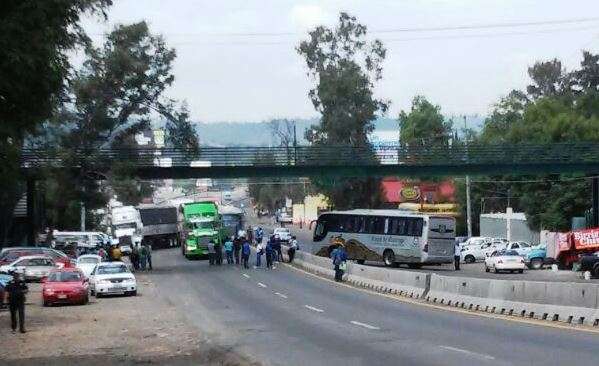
198 224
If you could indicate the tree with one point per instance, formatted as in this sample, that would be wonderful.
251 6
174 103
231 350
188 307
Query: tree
424 125
345 67
179 130
35 38
559 107
111 98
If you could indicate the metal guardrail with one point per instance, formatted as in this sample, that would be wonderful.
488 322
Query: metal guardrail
315 156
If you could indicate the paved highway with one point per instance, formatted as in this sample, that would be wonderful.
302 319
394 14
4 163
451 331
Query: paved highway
286 317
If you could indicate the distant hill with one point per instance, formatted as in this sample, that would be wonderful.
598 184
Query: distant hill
259 134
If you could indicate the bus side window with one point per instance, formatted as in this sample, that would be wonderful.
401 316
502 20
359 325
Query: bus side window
377 225
398 226
414 227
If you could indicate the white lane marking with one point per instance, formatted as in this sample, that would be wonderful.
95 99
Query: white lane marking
261 284
367 326
281 295
245 275
314 309
465 351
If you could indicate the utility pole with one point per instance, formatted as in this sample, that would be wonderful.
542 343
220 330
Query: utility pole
468 207
294 143
82 218
468 204
595 189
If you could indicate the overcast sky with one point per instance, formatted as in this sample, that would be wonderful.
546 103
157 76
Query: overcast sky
228 70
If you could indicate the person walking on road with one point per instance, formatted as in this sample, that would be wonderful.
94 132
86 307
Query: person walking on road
229 250
292 249
277 248
149 255
259 252
269 251
143 257
218 254
339 256
456 256
16 290
134 257
237 249
245 253
211 253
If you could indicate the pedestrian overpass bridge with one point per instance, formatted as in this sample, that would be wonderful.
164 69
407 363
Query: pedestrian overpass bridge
332 161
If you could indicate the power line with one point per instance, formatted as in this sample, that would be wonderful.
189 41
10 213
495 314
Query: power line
391 40
401 30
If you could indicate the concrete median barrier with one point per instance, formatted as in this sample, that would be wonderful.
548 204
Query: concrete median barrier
554 301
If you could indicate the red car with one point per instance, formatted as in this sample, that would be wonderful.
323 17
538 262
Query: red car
65 286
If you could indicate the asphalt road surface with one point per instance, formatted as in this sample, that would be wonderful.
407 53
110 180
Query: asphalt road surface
286 317
476 270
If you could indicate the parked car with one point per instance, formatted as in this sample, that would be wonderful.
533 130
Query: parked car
33 267
522 247
87 262
590 262
475 240
507 260
283 233
65 286
472 253
285 218
9 255
109 278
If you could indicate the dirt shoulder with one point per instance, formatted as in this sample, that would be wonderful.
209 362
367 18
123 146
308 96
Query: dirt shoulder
109 331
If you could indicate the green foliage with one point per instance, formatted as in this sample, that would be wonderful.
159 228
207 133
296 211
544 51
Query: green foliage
113 96
424 125
35 40
345 67
558 107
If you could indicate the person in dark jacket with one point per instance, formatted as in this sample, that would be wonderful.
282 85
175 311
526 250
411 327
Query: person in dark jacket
277 248
16 290
245 253
269 253
236 249
218 251
339 257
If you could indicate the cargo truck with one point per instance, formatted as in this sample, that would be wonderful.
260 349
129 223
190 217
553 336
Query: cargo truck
572 246
198 224
159 225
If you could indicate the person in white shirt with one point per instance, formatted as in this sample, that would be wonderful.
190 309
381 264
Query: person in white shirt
292 249
456 256
259 251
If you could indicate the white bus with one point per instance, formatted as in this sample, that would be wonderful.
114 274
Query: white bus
391 236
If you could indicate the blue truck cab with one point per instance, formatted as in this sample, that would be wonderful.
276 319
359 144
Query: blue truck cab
537 257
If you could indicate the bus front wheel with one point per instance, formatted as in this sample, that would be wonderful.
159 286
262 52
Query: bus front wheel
389 258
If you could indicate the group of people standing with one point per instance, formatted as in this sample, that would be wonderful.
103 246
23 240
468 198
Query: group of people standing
238 250
141 257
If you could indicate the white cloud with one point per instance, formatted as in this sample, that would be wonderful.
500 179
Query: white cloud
308 16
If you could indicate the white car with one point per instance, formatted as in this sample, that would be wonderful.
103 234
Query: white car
474 241
111 278
508 260
86 263
283 233
473 253
33 267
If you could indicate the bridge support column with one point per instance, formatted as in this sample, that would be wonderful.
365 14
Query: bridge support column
595 213
31 236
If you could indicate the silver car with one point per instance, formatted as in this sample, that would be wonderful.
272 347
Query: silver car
33 267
